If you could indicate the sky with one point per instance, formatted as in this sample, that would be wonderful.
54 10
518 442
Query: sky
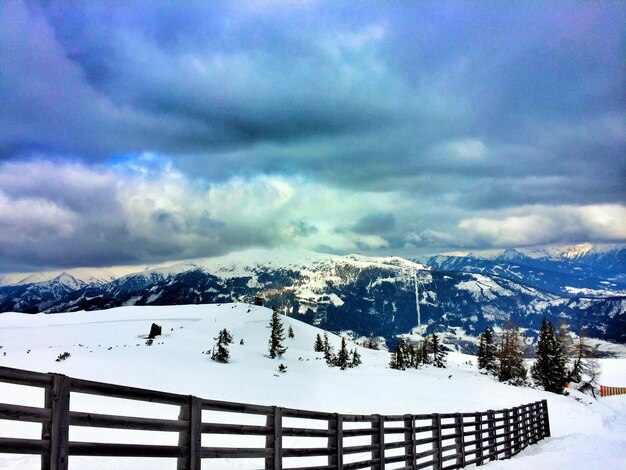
147 131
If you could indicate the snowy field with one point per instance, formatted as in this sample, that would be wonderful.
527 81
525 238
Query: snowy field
109 346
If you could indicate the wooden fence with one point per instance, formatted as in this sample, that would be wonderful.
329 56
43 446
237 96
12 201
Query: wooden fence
338 441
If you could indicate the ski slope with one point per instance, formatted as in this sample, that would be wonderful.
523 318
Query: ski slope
109 345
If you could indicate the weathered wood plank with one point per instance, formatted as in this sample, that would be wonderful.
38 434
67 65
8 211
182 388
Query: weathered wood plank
232 407
128 393
189 438
308 452
24 413
436 429
378 442
99 449
409 441
303 432
459 440
357 432
335 441
60 422
25 377
96 420
234 453
372 463
358 449
11 445
274 440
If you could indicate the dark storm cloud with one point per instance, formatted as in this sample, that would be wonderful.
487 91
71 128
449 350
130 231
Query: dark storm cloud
450 114
308 88
375 224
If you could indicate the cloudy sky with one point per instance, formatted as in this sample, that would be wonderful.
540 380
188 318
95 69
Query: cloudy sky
150 131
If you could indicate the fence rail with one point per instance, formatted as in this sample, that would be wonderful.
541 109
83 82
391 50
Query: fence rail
441 441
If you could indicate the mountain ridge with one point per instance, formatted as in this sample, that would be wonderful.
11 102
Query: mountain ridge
366 295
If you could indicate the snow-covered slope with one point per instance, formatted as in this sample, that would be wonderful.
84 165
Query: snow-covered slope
572 270
109 345
367 295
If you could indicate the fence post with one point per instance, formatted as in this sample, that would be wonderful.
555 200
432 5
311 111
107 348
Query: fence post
525 426
515 430
46 428
335 441
491 424
507 433
274 440
436 425
57 431
546 418
479 437
536 422
191 438
459 440
378 442
409 441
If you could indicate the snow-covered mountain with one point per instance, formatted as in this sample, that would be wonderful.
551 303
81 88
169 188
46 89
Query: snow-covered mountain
365 295
573 270
110 346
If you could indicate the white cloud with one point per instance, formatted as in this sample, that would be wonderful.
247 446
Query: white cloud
540 224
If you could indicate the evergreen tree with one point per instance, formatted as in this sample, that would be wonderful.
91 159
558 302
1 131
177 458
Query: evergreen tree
582 356
277 336
549 367
487 352
424 358
439 353
511 357
355 361
399 359
220 351
328 351
319 344
412 356
290 332
343 356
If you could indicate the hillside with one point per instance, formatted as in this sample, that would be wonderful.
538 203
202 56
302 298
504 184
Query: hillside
109 345
569 270
364 295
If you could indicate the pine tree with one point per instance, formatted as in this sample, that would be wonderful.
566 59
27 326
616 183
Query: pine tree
424 357
583 369
277 336
439 353
549 367
355 361
399 358
328 351
412 356
343 356
511 357
319 344
487 352
290 332
220 351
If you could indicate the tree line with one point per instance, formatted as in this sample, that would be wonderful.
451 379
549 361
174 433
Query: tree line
560 361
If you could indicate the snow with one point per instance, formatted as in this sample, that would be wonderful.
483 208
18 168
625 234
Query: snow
555 252
483 286
600 293
109 345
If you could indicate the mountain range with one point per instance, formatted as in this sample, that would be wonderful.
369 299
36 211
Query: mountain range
459 294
